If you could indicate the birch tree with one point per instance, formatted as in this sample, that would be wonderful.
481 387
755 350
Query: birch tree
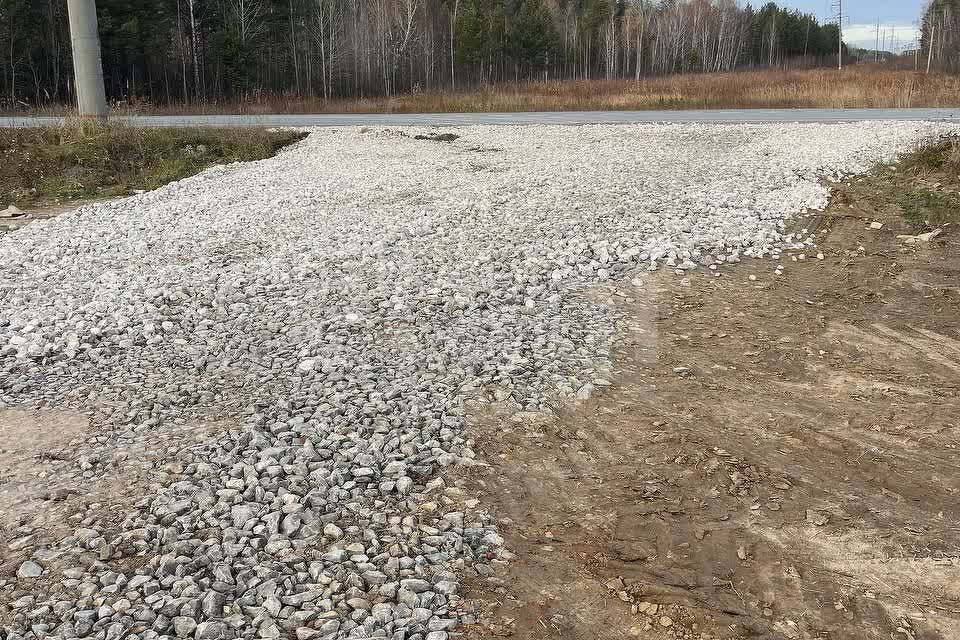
194 50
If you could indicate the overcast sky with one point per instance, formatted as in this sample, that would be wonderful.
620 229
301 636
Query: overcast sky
898 17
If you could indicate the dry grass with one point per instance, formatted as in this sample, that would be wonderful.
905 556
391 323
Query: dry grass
859 87
83 160
953 156
924 185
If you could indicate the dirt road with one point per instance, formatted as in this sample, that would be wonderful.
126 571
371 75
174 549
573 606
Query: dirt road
773 458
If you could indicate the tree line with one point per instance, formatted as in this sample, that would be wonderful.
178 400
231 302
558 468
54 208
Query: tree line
940 36
169 51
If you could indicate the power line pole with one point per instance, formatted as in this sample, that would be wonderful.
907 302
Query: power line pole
839 7
840 32
87 66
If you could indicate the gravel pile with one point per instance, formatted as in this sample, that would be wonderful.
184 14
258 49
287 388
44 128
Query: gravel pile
339 303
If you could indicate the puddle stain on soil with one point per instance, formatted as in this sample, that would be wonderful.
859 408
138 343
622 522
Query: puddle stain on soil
60 470
774 459
33 446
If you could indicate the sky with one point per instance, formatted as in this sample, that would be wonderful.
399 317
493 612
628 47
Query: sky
898 17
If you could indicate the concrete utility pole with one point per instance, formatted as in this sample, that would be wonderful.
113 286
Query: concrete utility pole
87 67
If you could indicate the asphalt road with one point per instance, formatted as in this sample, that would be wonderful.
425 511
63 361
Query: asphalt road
566 117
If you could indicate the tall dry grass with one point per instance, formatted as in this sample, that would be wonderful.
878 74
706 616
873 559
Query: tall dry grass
857 87
743 90
861 87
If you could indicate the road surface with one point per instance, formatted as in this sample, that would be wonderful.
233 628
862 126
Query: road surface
566 117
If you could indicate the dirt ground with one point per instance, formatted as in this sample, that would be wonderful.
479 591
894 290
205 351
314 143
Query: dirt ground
774 458
44 212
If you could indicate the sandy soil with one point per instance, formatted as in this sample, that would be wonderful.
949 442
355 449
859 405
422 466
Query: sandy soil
773 458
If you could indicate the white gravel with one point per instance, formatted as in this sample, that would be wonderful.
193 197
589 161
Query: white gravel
341 301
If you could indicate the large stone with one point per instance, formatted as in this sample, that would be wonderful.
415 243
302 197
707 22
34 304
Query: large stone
242 514
415 585
184 626
29 569
212 631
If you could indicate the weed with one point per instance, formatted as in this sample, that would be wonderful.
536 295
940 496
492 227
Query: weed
89 160
924 185
925 208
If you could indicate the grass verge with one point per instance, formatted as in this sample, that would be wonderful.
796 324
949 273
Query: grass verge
924 185
856 87
83 160
767 89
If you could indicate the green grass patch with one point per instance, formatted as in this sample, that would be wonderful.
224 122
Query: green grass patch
925 208
924 184
943 155
84 160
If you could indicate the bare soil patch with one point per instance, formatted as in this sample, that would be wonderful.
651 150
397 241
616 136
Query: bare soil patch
60 470
773 458
33 446
43 212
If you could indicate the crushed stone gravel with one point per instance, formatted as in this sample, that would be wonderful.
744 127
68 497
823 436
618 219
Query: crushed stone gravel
340 302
